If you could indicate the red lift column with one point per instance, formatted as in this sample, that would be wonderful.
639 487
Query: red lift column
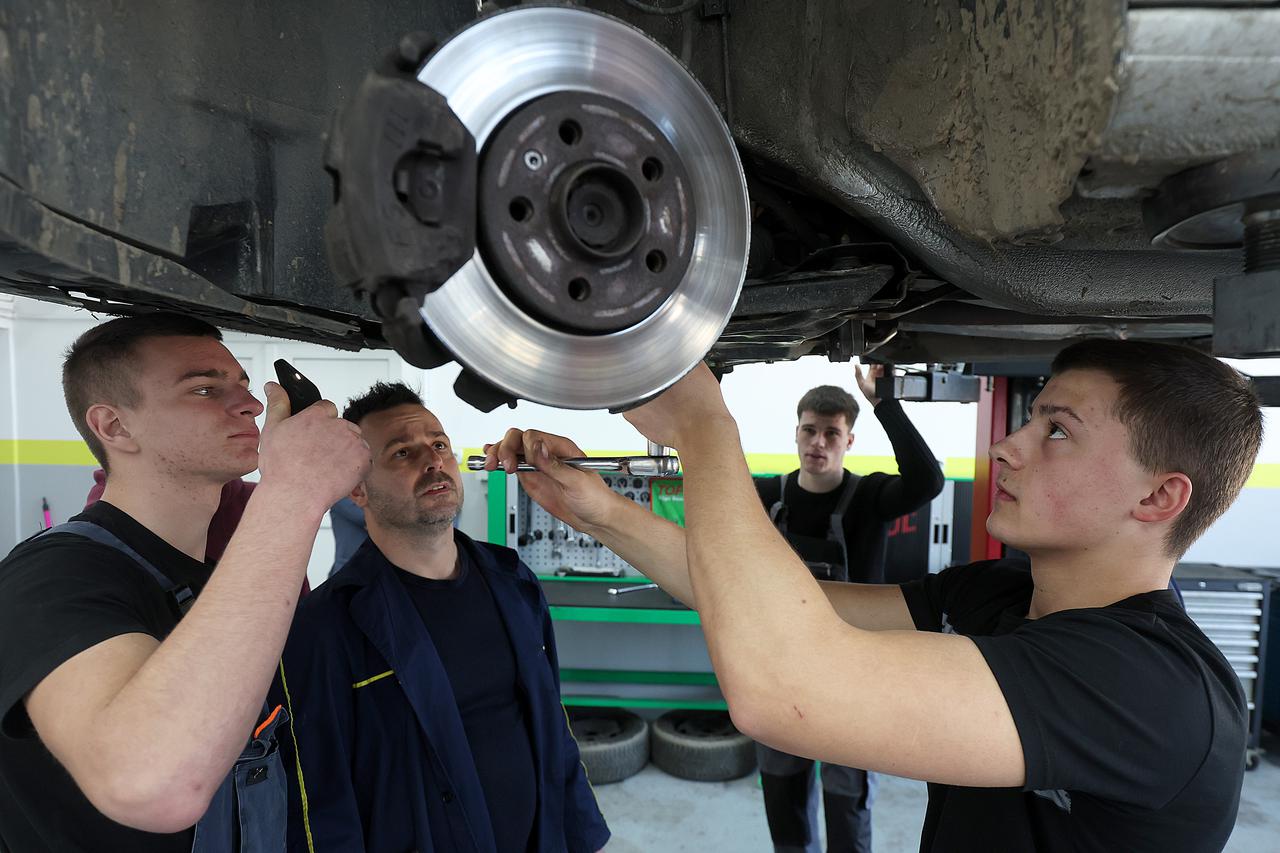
993 425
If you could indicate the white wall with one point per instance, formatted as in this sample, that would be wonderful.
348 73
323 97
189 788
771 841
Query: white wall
10 518
762 398
1246 534
1270 453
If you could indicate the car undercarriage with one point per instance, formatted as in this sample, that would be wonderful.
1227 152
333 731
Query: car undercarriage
919 182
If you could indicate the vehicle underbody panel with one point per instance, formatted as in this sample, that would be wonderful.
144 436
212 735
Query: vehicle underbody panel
945 182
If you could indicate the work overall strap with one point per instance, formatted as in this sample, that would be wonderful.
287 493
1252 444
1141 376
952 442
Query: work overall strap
181 595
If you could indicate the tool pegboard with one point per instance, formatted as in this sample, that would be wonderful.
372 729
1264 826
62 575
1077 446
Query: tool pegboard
549 546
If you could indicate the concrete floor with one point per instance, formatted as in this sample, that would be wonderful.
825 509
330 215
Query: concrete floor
655 813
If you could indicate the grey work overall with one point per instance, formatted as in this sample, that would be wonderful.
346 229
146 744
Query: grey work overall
248 813
790 800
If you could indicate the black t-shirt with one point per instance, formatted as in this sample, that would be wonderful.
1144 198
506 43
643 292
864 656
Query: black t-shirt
471 639
879 498
1132 723
60 595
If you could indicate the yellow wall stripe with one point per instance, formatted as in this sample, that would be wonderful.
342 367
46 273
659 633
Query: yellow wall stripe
1265 475
369 681
957 468
781 463
37 451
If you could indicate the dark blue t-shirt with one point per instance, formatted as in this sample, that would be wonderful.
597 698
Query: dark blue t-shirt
471 639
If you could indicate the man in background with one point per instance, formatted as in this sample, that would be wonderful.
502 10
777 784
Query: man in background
837 521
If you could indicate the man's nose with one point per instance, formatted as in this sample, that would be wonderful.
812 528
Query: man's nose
245 403
433 459
1006 451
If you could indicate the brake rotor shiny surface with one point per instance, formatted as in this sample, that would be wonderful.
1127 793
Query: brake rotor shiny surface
488 72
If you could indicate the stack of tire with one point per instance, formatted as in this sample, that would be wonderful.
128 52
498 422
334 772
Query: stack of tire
702 746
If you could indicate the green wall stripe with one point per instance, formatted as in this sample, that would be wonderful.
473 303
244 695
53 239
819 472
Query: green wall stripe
625 614
617 702
637 676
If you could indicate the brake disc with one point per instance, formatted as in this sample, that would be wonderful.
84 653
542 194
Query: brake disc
613 219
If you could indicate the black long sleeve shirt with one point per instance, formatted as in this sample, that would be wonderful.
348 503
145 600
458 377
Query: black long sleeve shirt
880 497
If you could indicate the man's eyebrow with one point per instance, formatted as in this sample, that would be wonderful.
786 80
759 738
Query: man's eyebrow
209 373
403 438
399 438
1047 409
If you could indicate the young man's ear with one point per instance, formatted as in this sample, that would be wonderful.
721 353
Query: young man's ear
105 423
1167 500
359 497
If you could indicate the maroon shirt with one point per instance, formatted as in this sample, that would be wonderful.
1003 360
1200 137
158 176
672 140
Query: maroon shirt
223 524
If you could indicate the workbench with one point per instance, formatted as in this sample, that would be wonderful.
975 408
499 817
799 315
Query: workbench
574 601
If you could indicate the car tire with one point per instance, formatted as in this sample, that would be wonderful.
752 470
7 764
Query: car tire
613 744
702 746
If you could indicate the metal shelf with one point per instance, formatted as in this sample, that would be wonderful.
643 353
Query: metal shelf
1230 606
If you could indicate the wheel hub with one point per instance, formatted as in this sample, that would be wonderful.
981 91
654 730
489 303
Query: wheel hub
585 213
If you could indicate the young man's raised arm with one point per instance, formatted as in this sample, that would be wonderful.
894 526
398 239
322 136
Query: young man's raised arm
655 546
149 729
919 479
795 675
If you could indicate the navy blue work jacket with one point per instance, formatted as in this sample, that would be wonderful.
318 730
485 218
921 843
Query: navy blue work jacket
379 760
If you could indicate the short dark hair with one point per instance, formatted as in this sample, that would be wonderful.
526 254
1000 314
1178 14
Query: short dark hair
96 368
379 398
1185 411
828 400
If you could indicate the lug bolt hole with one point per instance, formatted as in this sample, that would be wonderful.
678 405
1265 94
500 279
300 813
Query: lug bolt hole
579 289
521 209
651 169
655 261
570 132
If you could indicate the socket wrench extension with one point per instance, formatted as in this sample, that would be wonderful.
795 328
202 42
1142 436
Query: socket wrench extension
659 463
623 590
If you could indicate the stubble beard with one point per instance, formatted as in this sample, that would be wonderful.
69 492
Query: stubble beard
187 465
407 516
435 522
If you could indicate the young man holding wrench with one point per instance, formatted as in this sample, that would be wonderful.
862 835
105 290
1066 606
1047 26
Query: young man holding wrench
1068 704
